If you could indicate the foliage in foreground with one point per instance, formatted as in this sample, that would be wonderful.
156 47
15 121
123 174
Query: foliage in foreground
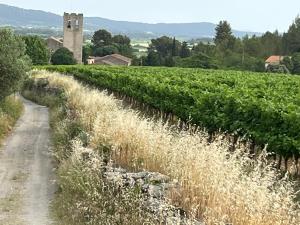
260 107
217 186
10 110
13 62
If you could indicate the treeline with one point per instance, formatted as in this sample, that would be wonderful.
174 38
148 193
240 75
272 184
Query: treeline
104 43
228 52
225 51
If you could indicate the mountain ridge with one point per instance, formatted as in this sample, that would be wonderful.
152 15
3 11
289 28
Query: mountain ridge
19 17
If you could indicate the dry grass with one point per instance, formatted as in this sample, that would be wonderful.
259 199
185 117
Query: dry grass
10 110
218 186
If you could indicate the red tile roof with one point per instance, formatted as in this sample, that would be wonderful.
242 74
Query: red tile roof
274 59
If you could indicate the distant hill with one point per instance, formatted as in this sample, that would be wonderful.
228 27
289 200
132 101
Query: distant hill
18 17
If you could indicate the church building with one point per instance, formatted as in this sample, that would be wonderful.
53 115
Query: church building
73 36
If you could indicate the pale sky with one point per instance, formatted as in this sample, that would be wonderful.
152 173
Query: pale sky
247 15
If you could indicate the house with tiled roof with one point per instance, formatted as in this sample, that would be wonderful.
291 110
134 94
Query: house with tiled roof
111 60
274 60
275 64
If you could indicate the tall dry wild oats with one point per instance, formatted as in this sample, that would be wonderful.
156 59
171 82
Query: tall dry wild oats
217 186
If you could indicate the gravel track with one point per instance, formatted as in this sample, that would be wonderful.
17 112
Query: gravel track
27 183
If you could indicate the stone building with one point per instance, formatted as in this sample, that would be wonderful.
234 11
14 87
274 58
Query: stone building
54 44
111 60
73 36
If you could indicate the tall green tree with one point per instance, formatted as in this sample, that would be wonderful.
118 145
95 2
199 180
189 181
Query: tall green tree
165 46
14 63
105 44
199 60
63 56
37 50
153 59
296 63
106 50
207 49
184 50
121 39
175 47
101 38
271 44
252 46
291 39
224 37
288 62
87 51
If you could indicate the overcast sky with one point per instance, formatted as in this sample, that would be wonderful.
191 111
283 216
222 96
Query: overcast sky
249 15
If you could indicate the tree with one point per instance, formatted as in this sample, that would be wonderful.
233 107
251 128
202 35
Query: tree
184 51
169 61
253 46
105 44
296 63
291 39
165 46
63 56
197 61
271 44
125 50
14 63
175 47
101 38
37 50
224 38
288 62
152 59
86 52
106 50
207 49
121 39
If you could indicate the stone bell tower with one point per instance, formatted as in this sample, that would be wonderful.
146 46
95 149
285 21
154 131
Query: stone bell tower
73 34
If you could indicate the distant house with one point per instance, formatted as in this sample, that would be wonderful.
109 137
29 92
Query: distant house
274 60
112 60
54 43
275 64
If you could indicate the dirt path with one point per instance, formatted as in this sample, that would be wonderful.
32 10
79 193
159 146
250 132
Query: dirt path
26 172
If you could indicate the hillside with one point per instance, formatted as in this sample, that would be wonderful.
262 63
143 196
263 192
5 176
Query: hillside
18 17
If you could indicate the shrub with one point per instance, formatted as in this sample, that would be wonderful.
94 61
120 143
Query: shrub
63 56
13 62
37 50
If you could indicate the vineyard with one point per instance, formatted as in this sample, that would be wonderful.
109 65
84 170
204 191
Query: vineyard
264 108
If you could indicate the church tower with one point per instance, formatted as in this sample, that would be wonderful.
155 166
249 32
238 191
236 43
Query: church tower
73 34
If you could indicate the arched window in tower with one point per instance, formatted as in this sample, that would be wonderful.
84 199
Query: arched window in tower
69 24
77 24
